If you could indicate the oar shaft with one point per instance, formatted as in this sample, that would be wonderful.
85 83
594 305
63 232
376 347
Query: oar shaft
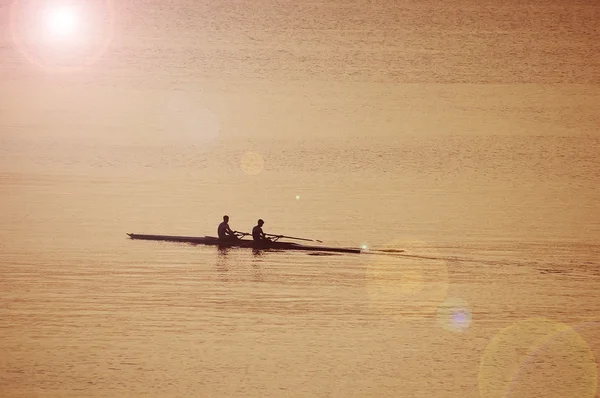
293 237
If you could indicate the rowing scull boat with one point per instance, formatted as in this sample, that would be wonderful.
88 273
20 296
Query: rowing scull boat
214 241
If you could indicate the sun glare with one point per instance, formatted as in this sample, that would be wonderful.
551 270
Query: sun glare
62 35
62 22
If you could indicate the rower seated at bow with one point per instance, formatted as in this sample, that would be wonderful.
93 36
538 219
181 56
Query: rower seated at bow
224 231
257 232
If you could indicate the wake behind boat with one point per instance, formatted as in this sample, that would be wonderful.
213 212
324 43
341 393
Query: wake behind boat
244 243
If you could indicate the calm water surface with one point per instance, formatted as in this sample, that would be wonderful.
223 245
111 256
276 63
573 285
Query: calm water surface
465 135
88 312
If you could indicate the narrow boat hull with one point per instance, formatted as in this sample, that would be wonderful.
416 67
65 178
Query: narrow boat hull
243 243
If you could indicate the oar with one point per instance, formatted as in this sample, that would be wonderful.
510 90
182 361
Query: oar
241 233
291 237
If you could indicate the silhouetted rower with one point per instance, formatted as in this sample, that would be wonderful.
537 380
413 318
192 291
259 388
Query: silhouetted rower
224 231
257 232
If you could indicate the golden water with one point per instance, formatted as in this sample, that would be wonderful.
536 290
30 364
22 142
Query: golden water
465 135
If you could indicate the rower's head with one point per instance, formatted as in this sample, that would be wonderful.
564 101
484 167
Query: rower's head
260 222
226 218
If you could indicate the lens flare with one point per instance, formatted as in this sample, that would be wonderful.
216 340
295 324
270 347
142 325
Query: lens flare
186 120
61 35
401 286
454 315
62 21
537 357
252 163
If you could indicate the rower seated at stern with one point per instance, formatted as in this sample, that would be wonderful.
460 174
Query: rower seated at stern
224 231
257 232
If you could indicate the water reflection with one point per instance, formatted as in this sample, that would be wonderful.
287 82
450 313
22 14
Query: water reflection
226 259
257 259
222 264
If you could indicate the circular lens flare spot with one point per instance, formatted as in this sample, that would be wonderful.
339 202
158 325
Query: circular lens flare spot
406 286
297 197
454 315
537 357
252 163
563 366
187 121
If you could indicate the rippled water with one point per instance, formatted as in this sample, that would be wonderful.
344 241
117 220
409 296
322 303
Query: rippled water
88 312
461 139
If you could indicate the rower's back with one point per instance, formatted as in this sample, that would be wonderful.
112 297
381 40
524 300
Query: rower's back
257 232
223 227
221 230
